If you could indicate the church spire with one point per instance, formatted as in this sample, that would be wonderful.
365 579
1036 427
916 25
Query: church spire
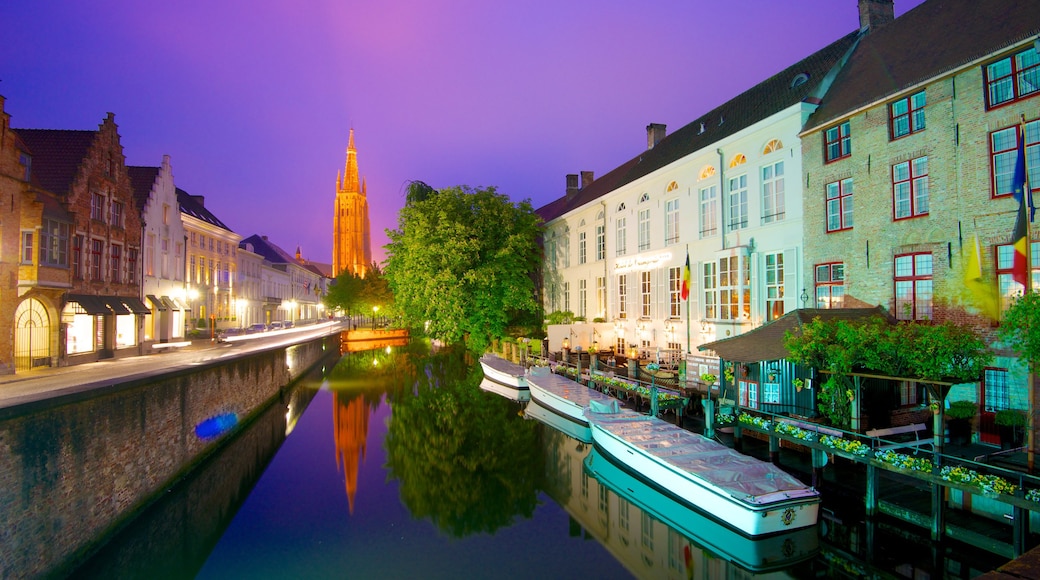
350 173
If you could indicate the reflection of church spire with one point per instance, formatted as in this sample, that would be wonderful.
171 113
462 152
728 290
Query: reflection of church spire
350 426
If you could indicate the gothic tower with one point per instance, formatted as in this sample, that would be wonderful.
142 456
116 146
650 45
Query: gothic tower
351 249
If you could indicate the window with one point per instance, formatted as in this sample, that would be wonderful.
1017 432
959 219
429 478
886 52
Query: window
1006 284
97 249
907 115
910 188
131 266
114 263
621 242
1012 78
644 229
582 299
644 294
149 255
194 244
117 214
191 270
734 288
707 171
554 257
839 205
830 285
166 214
601 243
771 393
773 193
97 207
996 395
738 202
54 243
27 247
773 145
1004 155
671 221
836 142
748 393
622 292
709 211
774 286
601 297
674 292
711 297
77 257
913 282
581 247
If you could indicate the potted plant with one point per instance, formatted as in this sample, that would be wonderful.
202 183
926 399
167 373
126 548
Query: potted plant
1011 424
958 421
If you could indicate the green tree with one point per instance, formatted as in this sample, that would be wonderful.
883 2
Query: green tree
354 294
1020 328
461 263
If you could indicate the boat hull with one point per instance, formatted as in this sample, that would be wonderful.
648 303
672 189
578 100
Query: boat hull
564 396
565 425
503 372
783 512
511 393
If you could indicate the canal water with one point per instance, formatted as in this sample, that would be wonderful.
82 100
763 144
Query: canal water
394 463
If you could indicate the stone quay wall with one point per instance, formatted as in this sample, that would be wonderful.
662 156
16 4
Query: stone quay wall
71 473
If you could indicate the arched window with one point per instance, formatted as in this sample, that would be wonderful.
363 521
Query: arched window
672 187
738 159
621 207
644 198
707 171
582 224
773 145
599 216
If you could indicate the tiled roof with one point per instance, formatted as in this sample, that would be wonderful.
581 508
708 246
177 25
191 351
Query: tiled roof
767 341
757 103
934 38
270 251
56 156
191 206
141 180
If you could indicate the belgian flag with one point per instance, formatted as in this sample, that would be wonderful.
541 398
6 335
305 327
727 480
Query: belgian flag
1020 237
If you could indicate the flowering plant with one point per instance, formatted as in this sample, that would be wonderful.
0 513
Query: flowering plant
847 445
1033 495
987 483
729 373
755 421
709 378
565 370
724 418
903 461
794 431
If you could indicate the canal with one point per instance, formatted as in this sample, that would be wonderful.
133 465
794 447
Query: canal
395 463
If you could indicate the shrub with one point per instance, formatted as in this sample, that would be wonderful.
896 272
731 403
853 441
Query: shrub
961 410
1010 418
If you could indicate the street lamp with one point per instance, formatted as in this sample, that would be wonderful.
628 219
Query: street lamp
652 368
375 310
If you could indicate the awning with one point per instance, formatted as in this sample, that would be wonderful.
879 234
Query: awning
90 304
156 303
172 303
135 304
115 304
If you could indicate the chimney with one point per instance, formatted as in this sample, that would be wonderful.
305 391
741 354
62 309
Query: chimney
654 134
586 179
873 14
572 184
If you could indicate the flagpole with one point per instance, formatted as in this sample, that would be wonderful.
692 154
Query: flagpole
1025 207
688 351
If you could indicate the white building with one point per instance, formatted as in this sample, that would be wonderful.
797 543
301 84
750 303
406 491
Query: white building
163 238
724 190
292 291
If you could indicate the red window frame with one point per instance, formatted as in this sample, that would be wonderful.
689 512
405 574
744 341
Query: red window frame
1014 75
1007 157
838 137
843 195
97 249
913 115
921 308
825 287
914 182
77 257
115 259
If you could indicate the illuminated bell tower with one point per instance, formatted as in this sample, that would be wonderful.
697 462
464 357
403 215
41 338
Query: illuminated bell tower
351 251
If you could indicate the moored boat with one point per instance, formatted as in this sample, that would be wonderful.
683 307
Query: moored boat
753 497
563 396
503 372
511 393
565 425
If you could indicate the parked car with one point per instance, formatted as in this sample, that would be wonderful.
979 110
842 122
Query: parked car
276 325
258 327
288 324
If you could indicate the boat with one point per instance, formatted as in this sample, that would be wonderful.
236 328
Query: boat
536 411
753 554
565 397
511 393
503 372
754 497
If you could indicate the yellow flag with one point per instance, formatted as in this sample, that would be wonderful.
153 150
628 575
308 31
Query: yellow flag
982 293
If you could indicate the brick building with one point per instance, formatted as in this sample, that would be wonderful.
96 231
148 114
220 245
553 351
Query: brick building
85 170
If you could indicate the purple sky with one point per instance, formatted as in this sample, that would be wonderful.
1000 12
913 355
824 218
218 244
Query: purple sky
253 100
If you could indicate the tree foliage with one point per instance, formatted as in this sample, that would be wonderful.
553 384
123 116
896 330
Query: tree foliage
355 294
925 352
1020 329
461 261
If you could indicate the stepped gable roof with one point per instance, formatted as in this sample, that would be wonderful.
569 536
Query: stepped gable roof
142 179
269 250
767 341
757 103
934 38
192 206
57 156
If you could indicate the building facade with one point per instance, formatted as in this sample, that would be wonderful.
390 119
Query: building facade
351 245
293 291
211 250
